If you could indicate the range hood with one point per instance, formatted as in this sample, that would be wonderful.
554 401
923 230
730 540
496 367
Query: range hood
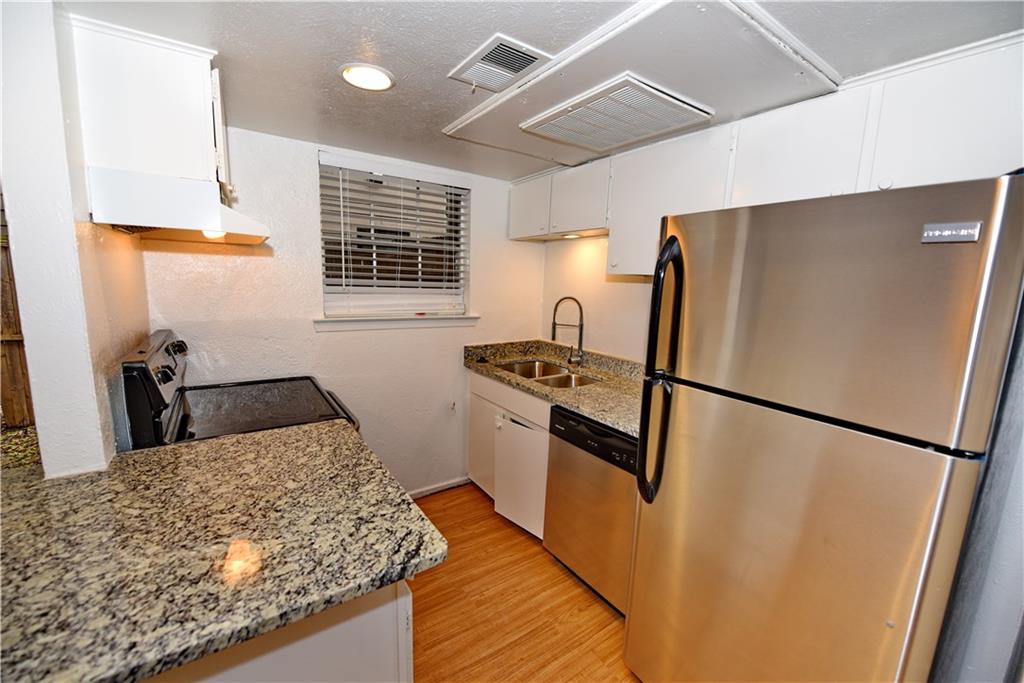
168 208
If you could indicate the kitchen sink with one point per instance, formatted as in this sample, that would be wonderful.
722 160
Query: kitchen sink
567 381
533 369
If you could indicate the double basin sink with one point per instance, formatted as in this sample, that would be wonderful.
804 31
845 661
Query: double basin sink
547 373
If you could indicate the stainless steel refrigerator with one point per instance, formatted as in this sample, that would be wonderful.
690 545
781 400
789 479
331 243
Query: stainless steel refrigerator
822 383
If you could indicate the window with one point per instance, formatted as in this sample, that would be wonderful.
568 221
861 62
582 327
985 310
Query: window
392 245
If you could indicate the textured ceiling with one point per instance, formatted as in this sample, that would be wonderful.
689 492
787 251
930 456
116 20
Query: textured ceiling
279 66
279 60
859 37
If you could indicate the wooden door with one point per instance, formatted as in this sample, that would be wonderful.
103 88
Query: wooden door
15 396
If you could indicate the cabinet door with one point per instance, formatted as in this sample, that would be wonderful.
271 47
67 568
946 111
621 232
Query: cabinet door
144 107
529 212
483 423
960 120
520 473
579 197
684 175
810 149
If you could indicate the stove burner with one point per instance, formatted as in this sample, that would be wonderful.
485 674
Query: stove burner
162 409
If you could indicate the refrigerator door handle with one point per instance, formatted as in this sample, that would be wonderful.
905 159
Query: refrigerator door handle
649 487
671 256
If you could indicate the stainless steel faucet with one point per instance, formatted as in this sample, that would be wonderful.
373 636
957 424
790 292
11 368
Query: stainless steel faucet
575 355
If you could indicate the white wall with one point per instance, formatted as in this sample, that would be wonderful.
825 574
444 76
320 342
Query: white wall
248 313
117 319
76 302
615 307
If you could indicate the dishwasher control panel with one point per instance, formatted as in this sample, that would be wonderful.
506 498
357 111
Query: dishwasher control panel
610 445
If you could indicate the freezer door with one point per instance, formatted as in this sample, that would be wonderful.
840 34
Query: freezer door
849 307
784 548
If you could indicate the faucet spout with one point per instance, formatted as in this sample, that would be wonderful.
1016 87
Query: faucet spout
575 353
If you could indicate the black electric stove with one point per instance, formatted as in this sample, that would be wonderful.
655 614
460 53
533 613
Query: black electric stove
162 409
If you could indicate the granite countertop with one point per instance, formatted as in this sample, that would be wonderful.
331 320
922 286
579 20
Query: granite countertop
176 552
614 401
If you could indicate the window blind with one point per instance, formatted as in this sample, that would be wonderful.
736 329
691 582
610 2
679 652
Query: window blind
392 245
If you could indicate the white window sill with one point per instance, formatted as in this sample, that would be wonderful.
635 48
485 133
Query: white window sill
361 322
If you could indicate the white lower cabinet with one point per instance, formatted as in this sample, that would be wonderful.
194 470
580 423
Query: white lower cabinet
483 419
366 639
520 472
508 450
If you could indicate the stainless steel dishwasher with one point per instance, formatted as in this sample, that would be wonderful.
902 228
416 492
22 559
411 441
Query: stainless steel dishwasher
590 503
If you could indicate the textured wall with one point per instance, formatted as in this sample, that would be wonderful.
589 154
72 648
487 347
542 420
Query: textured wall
248 313
615 307
117 318
40 210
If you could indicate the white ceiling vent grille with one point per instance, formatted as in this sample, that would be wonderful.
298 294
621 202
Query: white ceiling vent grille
620 112
498 63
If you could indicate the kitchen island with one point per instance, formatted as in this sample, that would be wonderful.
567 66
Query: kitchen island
177 552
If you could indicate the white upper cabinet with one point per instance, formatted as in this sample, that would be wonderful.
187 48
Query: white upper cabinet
809 149
954 121
579 197
529 212
946 121
150 119
684 175
145 102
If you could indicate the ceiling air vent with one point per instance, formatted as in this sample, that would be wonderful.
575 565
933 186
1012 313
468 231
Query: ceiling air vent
498 63
620 112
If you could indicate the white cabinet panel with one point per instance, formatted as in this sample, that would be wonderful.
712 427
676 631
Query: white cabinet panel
530 208
810 149
145 107
366 639
483 422
521 473
684 175
955 121
579 197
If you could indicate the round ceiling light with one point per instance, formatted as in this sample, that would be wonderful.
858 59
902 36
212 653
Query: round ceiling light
367 76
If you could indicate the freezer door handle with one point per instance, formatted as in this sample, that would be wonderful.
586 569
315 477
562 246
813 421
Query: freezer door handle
671 256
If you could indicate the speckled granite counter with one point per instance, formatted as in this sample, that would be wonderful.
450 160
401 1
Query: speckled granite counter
180 551
614 401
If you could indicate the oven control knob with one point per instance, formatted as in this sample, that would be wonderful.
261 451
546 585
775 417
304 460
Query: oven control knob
164 374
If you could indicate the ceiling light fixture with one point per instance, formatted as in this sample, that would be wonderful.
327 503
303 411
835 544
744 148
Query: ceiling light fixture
367 76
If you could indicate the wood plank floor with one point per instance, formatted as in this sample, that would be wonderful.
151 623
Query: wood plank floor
501 608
